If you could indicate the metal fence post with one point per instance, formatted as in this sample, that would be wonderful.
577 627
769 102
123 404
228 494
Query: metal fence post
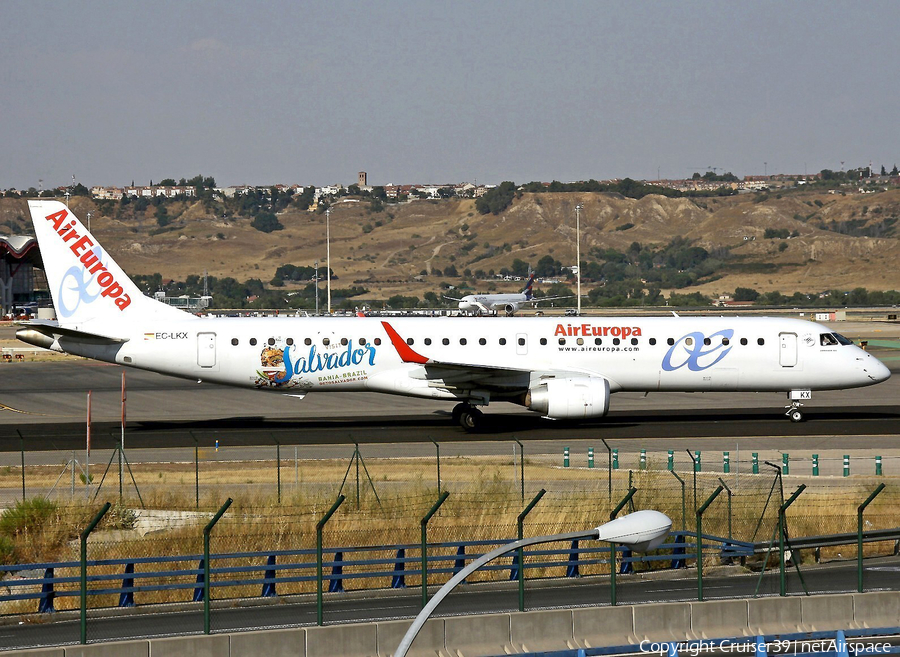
590 457
727 490
84 537
785 463
877 466
520 520
683 505
859 536
781 522
319 526
846 465
438 458
815 465
755 463
643 464
278 467
612 547
206 568
424 527
700 541
726 463
615 458
671 464
566 457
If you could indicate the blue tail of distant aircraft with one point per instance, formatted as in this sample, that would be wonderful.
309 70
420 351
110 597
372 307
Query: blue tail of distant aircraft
528 291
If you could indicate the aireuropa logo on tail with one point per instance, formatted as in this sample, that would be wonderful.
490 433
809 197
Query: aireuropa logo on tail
89 280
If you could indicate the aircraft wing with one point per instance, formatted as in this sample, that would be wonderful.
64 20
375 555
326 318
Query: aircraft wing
452 374
451 298
537 299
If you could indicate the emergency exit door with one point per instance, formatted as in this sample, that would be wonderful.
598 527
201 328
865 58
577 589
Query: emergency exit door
787 355
206 349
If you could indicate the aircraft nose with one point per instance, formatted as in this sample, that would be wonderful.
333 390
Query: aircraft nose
877 370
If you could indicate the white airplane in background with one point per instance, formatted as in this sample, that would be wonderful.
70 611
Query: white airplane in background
560 369
485 304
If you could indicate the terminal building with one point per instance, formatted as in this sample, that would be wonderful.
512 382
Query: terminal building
23 286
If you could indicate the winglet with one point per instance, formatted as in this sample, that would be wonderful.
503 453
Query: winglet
407 354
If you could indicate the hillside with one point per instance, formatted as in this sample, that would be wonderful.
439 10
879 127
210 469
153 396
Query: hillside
837 242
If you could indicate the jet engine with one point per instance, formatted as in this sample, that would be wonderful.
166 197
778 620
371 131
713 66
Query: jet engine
570 398
511 309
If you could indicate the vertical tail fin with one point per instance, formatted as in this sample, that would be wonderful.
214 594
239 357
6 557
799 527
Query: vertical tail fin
528 291
85 282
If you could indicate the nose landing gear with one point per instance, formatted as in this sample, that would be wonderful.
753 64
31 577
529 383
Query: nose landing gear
793 411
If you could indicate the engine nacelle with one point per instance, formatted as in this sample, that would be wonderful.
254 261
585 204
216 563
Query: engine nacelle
571 398
511 309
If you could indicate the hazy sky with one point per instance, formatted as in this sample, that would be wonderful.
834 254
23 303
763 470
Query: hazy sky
415 92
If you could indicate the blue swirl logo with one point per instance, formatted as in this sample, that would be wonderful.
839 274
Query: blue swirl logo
691 350
75 285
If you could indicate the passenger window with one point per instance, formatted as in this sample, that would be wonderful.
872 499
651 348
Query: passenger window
462 341
580 341
326 341
307 342
725 341
362 342
689 341
707 341
289 341
652 341
562 340
377 341
482 341
234 341
634 340
744 341
521 342
271 342
598 341
616 341
410 341
502 341
427 341
670 341
760 341
445 341
252 342
543 340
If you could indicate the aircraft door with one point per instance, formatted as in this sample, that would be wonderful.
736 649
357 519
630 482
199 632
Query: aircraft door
206 349
787 354
521 344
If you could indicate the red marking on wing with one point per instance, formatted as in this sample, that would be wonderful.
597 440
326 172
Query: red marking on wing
407 354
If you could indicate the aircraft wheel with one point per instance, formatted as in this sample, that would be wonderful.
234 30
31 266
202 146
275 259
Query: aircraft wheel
796 415
458 411
470 419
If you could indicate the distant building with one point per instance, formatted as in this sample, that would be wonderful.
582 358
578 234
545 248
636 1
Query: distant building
19 255
362 179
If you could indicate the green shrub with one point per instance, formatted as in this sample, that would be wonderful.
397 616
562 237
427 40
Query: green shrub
26 515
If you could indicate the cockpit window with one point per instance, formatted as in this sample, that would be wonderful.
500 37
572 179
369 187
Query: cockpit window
842 339
827 340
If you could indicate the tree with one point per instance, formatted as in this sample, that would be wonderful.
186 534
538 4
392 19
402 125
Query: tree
266 222
745 294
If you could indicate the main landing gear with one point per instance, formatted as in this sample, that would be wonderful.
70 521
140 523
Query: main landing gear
468 417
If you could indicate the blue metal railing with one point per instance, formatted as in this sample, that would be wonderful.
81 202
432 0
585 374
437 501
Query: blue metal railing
270 569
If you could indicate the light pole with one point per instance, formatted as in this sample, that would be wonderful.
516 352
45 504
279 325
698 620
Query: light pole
328 253
89 221
578 209
317 287
641 531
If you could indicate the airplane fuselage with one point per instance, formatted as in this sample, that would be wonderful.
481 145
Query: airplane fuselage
644 354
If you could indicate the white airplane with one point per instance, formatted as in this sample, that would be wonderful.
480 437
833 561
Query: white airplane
485 304
559 369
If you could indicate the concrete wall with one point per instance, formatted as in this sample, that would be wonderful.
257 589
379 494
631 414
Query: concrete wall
497 634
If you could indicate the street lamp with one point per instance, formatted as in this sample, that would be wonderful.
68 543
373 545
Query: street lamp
328 253
317 288
578 209
641 531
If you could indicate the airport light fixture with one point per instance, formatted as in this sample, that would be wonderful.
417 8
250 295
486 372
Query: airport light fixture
641 531
578 209
328 253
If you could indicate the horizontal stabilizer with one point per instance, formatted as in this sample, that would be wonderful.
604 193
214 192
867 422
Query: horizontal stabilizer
43 333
